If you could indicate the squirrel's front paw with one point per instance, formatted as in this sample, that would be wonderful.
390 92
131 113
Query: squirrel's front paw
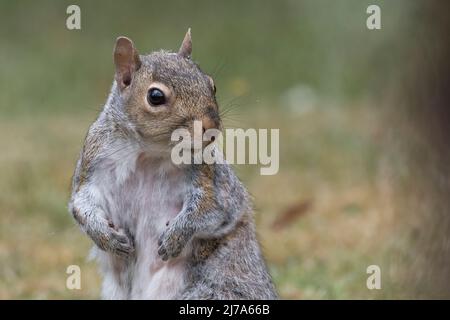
107 238
120 243
171 243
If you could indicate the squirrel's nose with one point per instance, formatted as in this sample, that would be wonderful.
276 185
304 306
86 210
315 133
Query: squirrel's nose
207 123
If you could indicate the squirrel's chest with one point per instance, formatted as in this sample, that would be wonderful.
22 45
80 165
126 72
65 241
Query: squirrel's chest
141 194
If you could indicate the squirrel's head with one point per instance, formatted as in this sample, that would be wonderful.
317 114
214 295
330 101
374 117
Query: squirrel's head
164 91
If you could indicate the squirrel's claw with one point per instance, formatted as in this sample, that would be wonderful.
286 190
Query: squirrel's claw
120 244
111 240
170 244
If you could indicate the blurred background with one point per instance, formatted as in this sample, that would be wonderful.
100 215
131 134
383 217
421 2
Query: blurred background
364 134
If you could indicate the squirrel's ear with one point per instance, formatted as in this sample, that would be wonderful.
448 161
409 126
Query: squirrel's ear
186 47
126 59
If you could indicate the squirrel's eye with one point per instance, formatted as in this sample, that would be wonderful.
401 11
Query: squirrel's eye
215 89
156 97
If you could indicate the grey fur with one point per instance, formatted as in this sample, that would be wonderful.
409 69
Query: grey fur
214 231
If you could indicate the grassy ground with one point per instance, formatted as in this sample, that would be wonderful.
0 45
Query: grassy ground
326 160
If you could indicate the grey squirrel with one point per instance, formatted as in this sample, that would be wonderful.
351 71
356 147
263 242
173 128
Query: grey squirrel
163 231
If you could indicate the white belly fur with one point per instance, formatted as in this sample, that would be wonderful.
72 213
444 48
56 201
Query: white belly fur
140 195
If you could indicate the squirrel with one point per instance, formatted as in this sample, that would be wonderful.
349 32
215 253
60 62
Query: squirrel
163 231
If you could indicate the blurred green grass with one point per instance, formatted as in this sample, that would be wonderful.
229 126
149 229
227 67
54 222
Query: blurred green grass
268 46
264 57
